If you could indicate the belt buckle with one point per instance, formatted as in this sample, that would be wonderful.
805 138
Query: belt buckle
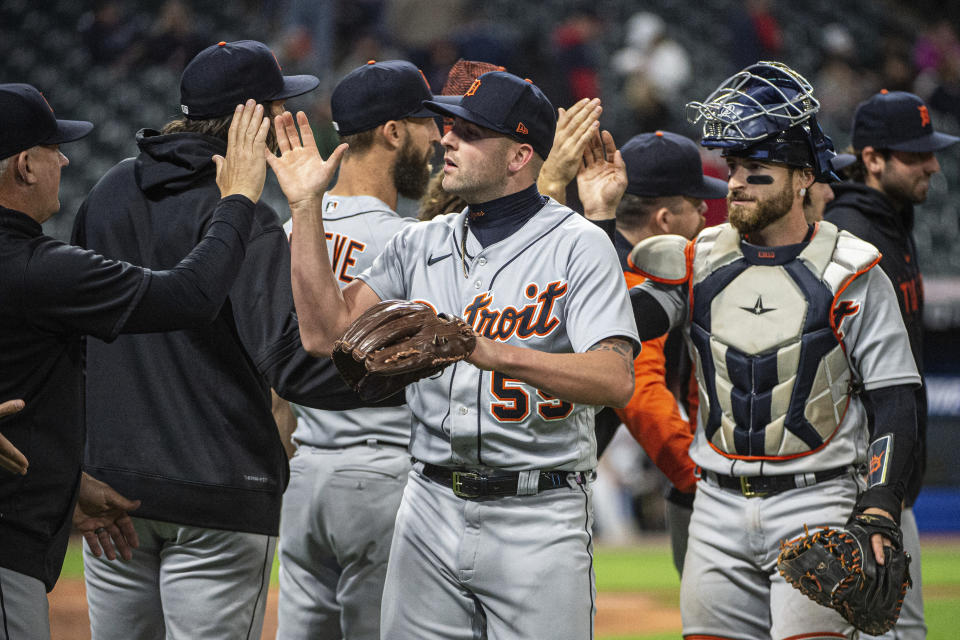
748 491
458 477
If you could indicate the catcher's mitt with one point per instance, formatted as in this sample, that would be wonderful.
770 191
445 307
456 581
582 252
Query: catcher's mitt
397 342
837 568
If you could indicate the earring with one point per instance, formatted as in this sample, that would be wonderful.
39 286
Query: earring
803 191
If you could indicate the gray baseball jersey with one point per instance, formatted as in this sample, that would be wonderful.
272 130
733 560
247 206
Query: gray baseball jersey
357 229
554 285
347 476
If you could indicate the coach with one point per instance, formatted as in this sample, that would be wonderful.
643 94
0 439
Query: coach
51 294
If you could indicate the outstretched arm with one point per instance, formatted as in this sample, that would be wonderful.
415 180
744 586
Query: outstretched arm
602 376
323 309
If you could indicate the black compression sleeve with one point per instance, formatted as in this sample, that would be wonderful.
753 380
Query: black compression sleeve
191 293
652 320
894 435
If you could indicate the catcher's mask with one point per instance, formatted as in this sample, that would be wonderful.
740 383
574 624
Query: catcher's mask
766 112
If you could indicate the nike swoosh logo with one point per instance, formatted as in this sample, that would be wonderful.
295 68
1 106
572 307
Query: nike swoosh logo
433 260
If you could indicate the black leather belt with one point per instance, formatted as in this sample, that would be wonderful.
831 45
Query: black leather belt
760 486
470 485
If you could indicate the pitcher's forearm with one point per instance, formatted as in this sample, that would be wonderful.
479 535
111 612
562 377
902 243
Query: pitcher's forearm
321 308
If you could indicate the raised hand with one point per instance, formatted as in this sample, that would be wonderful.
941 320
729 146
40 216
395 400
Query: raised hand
602 178
10 457
575 127
302 173
244 169
101 516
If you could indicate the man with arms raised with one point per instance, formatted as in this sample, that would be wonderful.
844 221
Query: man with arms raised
494 528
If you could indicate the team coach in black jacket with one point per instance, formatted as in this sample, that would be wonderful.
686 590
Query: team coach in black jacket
50 295
183 421
894 142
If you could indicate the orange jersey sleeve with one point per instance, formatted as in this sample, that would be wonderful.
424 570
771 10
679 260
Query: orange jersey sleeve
652 415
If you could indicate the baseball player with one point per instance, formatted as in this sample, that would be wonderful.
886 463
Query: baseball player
51 294
183 421
493 533
664 193
895 143
350 468
793 332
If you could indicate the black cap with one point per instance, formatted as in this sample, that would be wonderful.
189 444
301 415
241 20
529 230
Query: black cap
27 120
504 103
377 92
898 121
229 73
667 164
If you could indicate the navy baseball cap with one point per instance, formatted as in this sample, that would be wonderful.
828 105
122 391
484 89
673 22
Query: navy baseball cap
504 103
898 121
27 120
667 164
229 73
377 92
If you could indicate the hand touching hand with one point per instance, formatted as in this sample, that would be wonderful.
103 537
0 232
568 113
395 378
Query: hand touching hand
244 170
575 127
602 178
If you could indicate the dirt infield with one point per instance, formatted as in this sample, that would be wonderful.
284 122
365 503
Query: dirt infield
617 613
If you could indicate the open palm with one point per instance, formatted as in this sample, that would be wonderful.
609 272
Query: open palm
302 173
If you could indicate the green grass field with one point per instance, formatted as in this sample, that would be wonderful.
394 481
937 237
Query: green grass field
648 568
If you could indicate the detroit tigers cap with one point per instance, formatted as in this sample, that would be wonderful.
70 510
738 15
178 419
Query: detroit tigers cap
898 121
504 103
377 92
667 164
229 73
27 120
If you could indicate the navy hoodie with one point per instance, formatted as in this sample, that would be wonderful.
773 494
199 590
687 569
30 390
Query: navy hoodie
182 420
870 215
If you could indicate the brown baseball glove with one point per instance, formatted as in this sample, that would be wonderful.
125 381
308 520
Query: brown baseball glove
837 568
397 342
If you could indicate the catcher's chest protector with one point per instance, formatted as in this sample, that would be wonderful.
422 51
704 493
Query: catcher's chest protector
774 378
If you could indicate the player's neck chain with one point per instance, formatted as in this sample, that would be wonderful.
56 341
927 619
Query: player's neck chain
463 246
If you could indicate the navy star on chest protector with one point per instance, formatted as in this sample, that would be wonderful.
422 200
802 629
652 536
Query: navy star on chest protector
762 333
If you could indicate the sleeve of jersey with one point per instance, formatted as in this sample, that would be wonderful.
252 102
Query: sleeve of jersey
867 315
654 420
386 275
658 307
261 301
597 305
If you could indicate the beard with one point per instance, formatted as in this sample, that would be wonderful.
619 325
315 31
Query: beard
411 172
766 211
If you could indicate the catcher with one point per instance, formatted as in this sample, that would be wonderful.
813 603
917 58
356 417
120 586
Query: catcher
805 375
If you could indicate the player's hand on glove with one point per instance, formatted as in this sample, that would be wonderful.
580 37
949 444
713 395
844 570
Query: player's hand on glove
243 170
602 179
575 127
397 342
302 173
10 457
840 568
101 516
